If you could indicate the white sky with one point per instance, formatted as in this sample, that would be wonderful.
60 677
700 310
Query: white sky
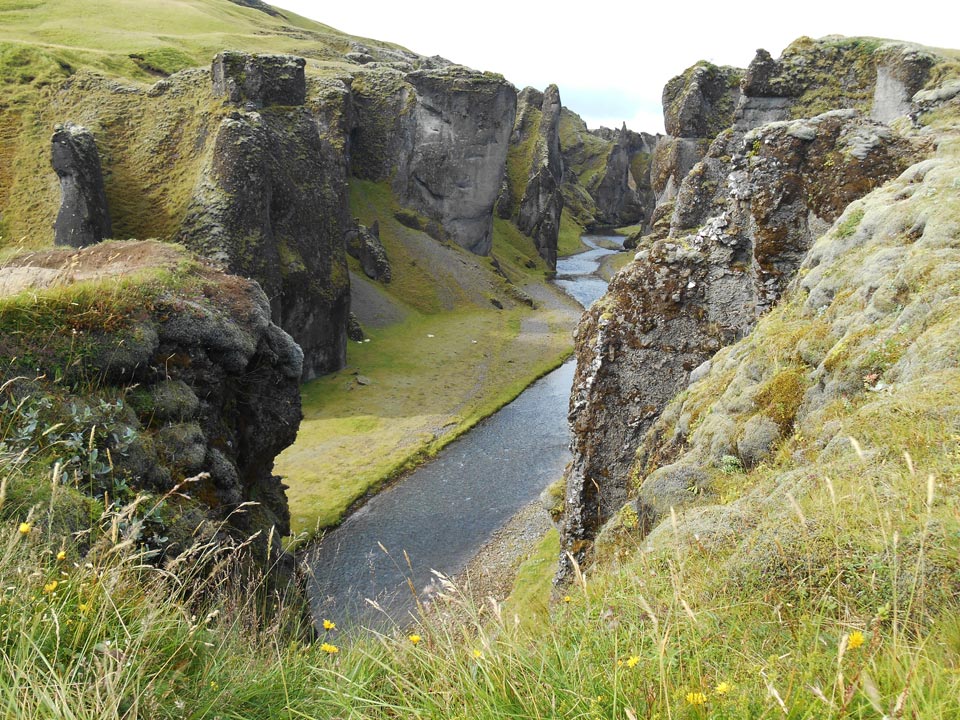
611 59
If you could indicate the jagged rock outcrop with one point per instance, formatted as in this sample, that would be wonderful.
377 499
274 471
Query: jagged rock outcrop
453 150
364 244
530 194
607 180
686 297
261 80
271 205
700 103
83 218
813 76
697 106
192 377
856 343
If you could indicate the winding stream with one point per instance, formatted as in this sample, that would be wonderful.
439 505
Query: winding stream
442 513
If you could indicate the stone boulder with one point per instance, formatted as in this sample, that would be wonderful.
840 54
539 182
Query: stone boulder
83 218
364 245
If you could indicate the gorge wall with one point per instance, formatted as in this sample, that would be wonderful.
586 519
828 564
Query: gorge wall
137 369
741 224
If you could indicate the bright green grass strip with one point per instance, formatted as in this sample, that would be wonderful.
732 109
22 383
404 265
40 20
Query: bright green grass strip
529 600
569 242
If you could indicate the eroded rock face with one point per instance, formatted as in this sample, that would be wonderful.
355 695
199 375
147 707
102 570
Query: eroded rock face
697 106
83 218
687 296
271 205
530 194
452 149
700 103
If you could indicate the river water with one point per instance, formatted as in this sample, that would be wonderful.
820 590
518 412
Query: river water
440 516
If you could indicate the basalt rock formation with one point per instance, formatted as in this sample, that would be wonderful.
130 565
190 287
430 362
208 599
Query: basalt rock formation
270 203
454 150
364 244
193 379
607 173
697 106
742 224
83 218
442 134
530 194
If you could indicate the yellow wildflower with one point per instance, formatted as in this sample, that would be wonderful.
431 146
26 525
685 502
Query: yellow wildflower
633 660
50 587
723 688
696 698
856 640
329 649
567 598
478 655
415 639
25 528
329 625
214 685
85 607
62 555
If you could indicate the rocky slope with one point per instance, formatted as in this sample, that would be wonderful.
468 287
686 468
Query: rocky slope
742 224
136 369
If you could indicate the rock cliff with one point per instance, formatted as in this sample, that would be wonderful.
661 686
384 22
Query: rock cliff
83 218
607 178
270 203
742 223
530 194
193 380
453 151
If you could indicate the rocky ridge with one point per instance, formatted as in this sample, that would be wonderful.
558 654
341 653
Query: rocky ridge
742 224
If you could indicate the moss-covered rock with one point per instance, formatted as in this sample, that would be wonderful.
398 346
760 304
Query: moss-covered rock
196 420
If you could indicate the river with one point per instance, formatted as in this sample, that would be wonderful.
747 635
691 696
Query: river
440 515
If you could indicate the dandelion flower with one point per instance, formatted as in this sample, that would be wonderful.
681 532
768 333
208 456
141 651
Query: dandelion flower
50 587
567 598
329 649
856 640
723 688
62 555
415 639
329 625
633 660
477 654
696 698
25 528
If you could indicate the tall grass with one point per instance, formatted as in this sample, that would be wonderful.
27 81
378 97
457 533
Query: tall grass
849 611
